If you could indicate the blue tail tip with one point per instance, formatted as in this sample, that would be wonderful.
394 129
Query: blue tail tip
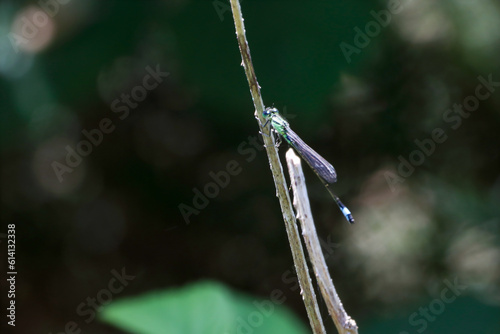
348 215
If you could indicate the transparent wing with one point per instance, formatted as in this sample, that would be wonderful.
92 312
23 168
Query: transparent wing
323 168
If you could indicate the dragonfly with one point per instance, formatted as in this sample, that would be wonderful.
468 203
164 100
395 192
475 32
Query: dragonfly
323 169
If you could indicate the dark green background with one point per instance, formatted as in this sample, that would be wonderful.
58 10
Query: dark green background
119 208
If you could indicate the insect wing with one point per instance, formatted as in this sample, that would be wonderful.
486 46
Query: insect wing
323 168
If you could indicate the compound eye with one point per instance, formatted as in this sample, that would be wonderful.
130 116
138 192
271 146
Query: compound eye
269 112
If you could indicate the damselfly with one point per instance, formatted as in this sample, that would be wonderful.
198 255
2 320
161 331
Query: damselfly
318 164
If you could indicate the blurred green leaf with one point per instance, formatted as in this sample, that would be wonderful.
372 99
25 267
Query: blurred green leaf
204 307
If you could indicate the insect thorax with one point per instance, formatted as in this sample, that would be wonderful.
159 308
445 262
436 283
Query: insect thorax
279 124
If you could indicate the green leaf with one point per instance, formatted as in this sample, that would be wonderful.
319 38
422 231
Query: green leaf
202 308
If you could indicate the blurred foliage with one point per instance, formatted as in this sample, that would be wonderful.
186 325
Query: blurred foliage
119 205
206 307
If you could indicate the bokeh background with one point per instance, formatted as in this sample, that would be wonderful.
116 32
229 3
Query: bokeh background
64 66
